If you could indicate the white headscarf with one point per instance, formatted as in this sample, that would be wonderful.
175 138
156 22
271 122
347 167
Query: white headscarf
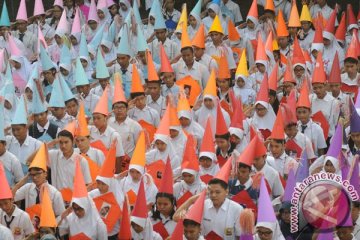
267 121
113 187
213 169
122 12
25 70
146 224
335 163
274 227
197 186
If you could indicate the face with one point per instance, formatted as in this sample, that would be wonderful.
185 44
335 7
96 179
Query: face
350 68
243 174
154 89
285 216
72 108
160 34
79 211
113 10
123 60
293 31
211 13
92 24
235 139
2 147
99 120
260 110
135 175
38 176
29 94
305 25
355 136
260 67
335 88
123 7
184 121
6 205
276 149
192 232
188 178
344 233
205 162
208 103
73 40
174 133
264 233
58 40
291 131
160 145
259 162
7 105
100 14
104 82
283 42
105 49
299 71
137 228
217 194
152 20
250 24
64 72
223 84
41 118
319 89
240 82
192 21
303 114
83 89
216 37
15 64
164 205
168 79
272 99
198 52
58 112
140 101
49 76
355 213
82 143
188 56
120 110
57 11
329 167
103 188
19 131
223 144
66 145
21 25
327 42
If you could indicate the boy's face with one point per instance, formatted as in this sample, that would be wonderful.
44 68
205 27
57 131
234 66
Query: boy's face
217 194
140 101
154 89
259 162
6 205
305 25
283 42
319 89
285 215
168 79
303 114
99 120
2 147
160 34
291 131
103 82
84 90
41 118
355 210
350 68
277 149
335 88
223 144
72 108
198 52
216 37
192 232
82 142
123 60
58 112
243 174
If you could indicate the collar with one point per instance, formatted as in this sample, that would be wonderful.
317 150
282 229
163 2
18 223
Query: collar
247 184
159 101
15 213
26 142
105 133
43 129
224 206
282 156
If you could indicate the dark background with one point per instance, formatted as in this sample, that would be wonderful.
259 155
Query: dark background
13 6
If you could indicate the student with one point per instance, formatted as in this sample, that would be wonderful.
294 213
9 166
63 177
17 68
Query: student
167 75
322 7
195 20
72 107
331 161
306 33
178 137
355 208
171 15
11 216
283 36
192 230
31 191
5 233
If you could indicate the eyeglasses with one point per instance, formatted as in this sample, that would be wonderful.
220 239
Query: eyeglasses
33 175
260 109
77 209
264 233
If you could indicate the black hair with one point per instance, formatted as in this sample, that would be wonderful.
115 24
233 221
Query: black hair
291 124
136 94
351 60
280 141
223 184
156 213
23 125
186 48
153 81
125 103
189 222
243 165
276 103
225 136
66 133
70 100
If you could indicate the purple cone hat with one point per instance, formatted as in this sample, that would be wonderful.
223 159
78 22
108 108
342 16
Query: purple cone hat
265 208
354 120
290 185
336 143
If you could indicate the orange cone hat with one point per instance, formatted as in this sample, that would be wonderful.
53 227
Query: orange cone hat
183 107
140 208
178 232
82 130
138 157
164 125
165 62
341 29
350 17
281 30
41 158
152 74
269 43
294 20
335 73
255 149
224 172
288 75
210 88
224 72
207 144
119 95
253 11
269 5
80 190
174 121
238 116
329 30
108 168
233 34
304 100
167 179
188 164
318 36
185 40
298 56
278 129
260 52
47 218
263 94
273 79
199 38
125 226
221 128
136 86
102 105
353 48
196 211
5 191
319 75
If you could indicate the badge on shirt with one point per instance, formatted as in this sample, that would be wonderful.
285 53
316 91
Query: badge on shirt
228 231
17 231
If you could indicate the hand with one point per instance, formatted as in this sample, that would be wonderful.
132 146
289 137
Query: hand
52 143
122 174
66 213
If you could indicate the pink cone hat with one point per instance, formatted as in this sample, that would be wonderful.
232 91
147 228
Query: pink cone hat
22 13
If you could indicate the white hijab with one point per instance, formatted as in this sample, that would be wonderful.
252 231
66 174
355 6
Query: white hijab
267 121
274 227
146 224
25 70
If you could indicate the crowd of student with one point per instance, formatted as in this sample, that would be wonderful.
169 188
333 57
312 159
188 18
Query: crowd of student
179 126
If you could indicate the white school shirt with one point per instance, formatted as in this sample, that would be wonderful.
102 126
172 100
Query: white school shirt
5 233
305 143
212 50
329 106
234 9
344 100
283 164
169 224
171 49
208 62
222 220
13 165
306 42
63 170
29 40
147 114
21 220
325 11
94 154
159 105
61 123
90 102
29 193
129 131
198 72
22 152
315 133
107 137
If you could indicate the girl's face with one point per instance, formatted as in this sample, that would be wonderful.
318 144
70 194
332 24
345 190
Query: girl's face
164 205
192 21
105 49
205 162
64 72
260 67
329 167
240 82
160 145
7 105
58 40
188 178
73 40
137 228
100 14
84 63
260 110
92 24
103 188
135 175
29 94
208 103
211 13
123 7
250 24
223 84
152 20
57 11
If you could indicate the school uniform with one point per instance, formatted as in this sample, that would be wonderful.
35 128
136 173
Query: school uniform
5 233
90 102
171 49
234 9
208 62
315 133
283 164
349 85
19 223
325 11
224 221
31 194
147 114
107 137
98 90
129 131
159 105
305 143
94 154
46 133
63 172
307 39
28 39
13 169
344 100
212 50
164 223
174 91
236 187
61 123
22 152
197 71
